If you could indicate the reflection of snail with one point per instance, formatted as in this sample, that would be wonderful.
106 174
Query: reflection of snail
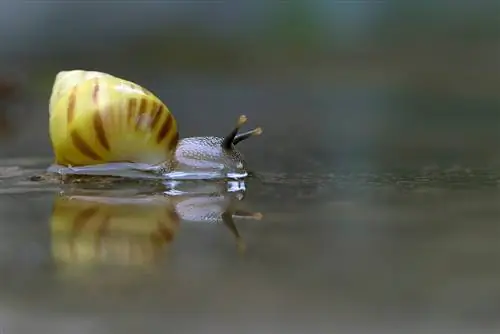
213 203
99 122
110 227
115 230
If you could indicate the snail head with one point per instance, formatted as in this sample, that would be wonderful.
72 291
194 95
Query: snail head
214 154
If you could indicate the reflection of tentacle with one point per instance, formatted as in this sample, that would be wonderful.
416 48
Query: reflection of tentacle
247 214
227 218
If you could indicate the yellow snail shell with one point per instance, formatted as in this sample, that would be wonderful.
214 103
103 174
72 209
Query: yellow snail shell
97 118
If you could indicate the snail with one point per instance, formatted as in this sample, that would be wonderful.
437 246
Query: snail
101 124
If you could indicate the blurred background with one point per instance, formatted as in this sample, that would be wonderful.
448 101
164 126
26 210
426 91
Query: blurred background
332 83
378 163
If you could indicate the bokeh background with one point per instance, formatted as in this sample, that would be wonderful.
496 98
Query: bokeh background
351 96
331 82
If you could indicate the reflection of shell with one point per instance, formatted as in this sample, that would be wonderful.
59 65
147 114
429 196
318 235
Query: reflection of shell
97 118
93 229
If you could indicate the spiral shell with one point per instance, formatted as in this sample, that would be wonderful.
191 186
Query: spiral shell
97 118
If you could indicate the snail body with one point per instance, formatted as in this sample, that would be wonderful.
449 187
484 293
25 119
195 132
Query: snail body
103 124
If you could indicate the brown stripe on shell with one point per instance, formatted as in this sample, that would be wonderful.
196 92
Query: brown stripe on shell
95 92
132 104
173 142
99 129
143 106
156 118
152 111
142 111
165 127
83 147
97 119
71 105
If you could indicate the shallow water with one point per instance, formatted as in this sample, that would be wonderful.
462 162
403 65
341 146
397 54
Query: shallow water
359 252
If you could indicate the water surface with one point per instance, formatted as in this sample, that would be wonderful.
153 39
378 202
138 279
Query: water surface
359 252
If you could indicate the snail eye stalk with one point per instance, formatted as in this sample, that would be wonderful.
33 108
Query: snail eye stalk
233 138
243 136
228 140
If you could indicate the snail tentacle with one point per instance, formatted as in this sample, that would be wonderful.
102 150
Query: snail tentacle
228 140
243 136
233 138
